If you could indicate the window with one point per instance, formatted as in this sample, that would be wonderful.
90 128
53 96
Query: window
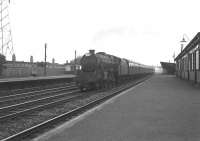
182 64
185 64
197 60
192 62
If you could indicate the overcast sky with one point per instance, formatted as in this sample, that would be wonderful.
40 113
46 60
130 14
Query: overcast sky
146 31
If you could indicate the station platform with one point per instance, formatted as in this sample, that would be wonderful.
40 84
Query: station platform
20 83
163 108
31 78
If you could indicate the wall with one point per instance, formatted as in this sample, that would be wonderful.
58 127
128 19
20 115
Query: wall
24 69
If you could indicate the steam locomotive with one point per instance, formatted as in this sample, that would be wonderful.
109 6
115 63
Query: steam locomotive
104 70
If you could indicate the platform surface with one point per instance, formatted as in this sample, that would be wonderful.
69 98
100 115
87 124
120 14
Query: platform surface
31 78
164 108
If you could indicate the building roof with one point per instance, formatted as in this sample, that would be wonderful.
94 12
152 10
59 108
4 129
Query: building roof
192 44
169 67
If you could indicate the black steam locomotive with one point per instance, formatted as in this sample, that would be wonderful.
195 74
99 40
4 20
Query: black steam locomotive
103 70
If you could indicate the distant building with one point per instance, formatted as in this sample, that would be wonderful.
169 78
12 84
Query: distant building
53 61
31 59
71 68
13 58
168 68
24 69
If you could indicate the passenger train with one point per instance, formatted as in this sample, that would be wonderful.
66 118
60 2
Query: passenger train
104 70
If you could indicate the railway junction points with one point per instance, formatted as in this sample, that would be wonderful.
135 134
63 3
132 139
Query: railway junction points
161 108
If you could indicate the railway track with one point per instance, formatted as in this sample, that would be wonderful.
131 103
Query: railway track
36 94
62 117
19 104
5 93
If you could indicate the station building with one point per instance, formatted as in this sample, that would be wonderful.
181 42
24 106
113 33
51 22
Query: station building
187 62
168 68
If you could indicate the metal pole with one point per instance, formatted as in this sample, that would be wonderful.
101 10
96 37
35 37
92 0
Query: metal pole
2 26
75 63
45 59
182 45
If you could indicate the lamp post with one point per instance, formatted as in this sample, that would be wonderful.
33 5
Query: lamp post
183 41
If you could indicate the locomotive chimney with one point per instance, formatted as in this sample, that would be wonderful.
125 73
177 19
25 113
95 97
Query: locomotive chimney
92 51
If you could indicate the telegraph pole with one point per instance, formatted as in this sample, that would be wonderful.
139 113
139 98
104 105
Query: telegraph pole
75 63
2 27
45 59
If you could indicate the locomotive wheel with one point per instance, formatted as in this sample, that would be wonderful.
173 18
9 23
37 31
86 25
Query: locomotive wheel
105 84
92 86
100 85
113 84
109 84
97 86
81 89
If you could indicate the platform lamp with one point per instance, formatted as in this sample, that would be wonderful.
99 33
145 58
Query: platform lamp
182 43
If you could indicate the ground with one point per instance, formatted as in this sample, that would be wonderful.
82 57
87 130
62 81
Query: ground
164 108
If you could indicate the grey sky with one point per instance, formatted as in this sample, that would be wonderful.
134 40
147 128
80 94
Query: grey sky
146 31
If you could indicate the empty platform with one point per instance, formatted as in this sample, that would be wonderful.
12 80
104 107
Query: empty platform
162 108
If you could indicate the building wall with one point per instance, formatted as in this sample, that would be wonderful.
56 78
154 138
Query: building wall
24 69
186 75
188 61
